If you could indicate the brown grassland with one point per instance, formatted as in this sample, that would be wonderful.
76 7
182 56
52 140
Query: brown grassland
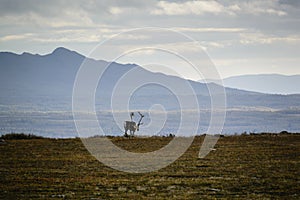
242 167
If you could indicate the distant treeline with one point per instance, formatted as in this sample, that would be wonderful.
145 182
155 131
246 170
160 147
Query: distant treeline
266 133
20 136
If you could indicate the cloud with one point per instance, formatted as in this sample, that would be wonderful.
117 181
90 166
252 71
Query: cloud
115 10
187 8
258 7
260 38
16 37
210 29
255 7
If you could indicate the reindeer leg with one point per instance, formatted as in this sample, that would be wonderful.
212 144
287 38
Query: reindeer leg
125 134
132 133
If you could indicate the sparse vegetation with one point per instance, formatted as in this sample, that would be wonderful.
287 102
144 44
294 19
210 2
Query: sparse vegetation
249 166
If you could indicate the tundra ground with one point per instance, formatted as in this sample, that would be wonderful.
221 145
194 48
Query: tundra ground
242 167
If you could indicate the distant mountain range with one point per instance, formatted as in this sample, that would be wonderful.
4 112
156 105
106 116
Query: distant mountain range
265 83
29 76
36 97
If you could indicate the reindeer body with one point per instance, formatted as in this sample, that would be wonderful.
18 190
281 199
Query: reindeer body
132 126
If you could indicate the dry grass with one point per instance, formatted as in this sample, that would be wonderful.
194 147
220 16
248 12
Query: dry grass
242 167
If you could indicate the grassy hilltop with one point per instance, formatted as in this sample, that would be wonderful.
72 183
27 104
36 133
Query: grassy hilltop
242 167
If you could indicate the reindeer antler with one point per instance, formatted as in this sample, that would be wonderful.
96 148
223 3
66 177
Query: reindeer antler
141 114
131 115
139 123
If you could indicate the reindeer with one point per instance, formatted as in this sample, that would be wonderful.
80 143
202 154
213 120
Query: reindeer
132 126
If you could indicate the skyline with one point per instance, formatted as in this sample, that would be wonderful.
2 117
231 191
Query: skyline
256 37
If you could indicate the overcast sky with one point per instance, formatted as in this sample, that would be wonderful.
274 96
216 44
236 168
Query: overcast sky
240 37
